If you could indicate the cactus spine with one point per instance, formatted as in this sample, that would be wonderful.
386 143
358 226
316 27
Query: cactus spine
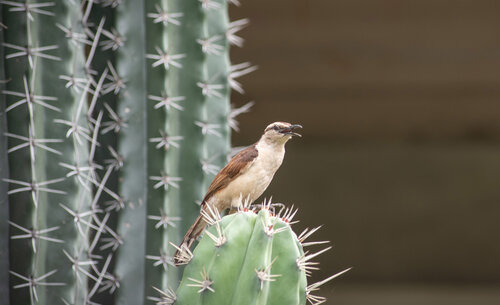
202 81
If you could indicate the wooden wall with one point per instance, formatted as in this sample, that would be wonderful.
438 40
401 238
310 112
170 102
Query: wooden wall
400 102
374 68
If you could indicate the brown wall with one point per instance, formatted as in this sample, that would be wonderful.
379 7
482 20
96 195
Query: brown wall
400 102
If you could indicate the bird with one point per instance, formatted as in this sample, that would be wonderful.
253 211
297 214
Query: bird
247 175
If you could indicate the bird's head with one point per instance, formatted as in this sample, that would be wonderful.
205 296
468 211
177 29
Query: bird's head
280 132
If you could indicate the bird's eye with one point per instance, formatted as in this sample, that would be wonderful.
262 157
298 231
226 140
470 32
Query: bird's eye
275 127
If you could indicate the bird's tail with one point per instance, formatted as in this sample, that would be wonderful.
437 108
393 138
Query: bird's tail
192 234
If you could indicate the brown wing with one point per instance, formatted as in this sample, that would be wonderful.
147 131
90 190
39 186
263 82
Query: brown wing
236 166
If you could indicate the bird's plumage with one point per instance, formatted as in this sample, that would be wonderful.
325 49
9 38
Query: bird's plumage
238 165
245 177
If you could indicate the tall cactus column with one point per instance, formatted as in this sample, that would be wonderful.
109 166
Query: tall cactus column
163 209
133 148
203 82
118 119
48 155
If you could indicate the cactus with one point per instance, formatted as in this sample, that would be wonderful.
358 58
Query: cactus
51 195
249 258
118 118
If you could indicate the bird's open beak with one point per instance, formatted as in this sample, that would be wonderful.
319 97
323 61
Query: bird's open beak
289 130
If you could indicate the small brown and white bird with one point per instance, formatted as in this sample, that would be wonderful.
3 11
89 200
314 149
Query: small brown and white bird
247 176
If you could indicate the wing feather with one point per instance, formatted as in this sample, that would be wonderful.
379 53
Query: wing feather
238 165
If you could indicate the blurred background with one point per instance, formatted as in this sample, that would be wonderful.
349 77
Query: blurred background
400 159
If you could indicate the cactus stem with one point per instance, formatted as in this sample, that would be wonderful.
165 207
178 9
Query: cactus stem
165 17
167 297
204 284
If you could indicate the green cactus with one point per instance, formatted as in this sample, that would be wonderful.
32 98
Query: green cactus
48 155
202 81
249 258
129 103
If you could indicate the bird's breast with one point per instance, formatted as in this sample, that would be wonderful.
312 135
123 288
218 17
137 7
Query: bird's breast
254 181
